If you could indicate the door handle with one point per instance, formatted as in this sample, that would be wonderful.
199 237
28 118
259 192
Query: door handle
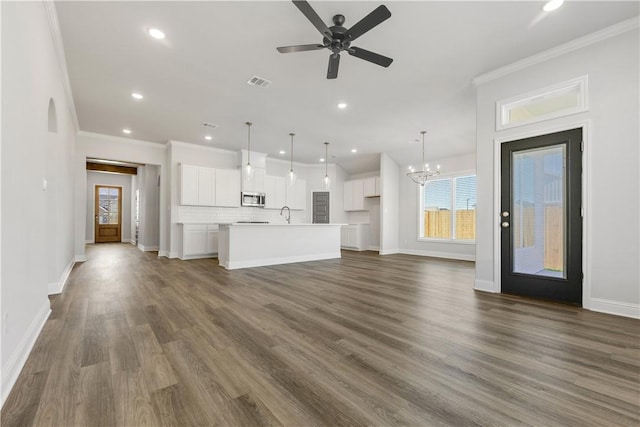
505 224
96 218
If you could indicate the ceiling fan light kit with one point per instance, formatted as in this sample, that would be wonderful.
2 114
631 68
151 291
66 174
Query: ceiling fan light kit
338 39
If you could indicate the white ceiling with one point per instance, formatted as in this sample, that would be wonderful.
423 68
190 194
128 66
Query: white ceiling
199 72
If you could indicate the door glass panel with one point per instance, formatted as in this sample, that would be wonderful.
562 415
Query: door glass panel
108 205
538 213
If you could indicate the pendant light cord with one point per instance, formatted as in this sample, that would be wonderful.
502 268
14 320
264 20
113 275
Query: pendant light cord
292 134
423 164
249 142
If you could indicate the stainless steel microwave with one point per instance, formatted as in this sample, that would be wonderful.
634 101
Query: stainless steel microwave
252 199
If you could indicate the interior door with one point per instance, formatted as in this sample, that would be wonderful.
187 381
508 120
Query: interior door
108 214
540 219
321 207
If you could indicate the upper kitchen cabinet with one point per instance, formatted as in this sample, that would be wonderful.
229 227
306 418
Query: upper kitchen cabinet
197 186
202 186
354 195
371 187
256 184
189 191
296 196
228 188
275 191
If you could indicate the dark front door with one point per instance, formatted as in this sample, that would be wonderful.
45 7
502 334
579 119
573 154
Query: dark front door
321 207
540 218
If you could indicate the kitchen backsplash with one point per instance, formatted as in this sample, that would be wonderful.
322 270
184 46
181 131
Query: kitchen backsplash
201 214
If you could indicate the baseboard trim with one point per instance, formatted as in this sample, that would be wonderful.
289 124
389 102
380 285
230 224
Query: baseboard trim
133 242
89 242
165 254
281 260
435 254
16 361
389 251
617 308
57 287
373 248
81 258
148 248
484 286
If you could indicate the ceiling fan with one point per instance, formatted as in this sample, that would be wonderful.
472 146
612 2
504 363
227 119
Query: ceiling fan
338 39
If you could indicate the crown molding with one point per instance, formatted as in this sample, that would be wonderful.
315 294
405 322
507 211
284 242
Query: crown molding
175 143
563 49
132 141
58 47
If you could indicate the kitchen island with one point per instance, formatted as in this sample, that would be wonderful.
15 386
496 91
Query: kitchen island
254 245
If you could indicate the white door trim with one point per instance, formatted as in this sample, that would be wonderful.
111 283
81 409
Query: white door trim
585 125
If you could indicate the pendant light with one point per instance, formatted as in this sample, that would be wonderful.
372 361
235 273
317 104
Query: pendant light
327 180
291 176
248 170
421 176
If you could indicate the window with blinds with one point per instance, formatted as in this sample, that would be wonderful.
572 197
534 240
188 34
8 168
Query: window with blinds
448 209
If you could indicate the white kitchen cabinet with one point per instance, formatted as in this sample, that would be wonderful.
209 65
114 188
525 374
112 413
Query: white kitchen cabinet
354 195
256 184
188 185
355 237
228 188
199 241
202 186
275 191
206 186
296 196
371 187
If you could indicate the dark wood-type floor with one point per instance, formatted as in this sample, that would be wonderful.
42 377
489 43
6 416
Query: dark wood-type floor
138 340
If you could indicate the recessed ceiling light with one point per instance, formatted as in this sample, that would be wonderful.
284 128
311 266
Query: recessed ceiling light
207 137
282 151
342 105
156 33
127 131
353 150
322 160
136 95
552 5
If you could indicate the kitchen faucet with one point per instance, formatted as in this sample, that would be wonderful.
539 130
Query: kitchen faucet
288 217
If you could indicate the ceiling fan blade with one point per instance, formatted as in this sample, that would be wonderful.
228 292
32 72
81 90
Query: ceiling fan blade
334 62
379 15
312 16
370 56
300 48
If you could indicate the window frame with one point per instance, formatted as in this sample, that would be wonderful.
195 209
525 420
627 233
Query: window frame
504 106
420 218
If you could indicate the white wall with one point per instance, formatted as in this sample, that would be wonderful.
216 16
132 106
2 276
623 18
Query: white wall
123 149
37 225
112 179
410 216
389 205
149 231
611 157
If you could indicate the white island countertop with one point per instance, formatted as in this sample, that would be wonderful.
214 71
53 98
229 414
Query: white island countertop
243 245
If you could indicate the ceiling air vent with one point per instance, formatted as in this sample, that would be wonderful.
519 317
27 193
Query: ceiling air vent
209 125
258 81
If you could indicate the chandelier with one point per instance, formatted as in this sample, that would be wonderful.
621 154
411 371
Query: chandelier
421 176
